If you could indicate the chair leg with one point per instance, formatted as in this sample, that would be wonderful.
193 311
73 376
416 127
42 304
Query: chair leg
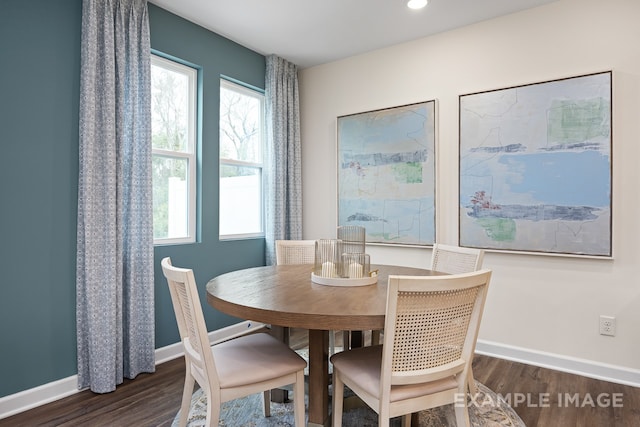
406 420
187 393
462 415
266 403
415 419
375 337
338 400
298 400
473 388
213 411
460 407
383 416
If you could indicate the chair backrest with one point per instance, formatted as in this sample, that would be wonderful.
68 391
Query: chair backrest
191 324
289 252
455 259
431 326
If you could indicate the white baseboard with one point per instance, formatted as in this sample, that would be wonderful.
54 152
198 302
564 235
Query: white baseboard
28 399
33 397
572 365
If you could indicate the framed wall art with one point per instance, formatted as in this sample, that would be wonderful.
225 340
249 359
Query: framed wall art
386 173
535 167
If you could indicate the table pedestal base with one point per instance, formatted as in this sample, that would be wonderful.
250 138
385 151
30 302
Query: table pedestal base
318 378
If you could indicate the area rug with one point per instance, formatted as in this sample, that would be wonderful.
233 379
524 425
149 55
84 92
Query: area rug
485 410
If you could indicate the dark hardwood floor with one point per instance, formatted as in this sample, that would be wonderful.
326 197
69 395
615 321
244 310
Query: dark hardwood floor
541 397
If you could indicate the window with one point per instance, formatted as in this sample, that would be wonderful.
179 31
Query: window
173 115
241 161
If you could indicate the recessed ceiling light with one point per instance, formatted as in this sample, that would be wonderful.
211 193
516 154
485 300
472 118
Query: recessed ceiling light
417 4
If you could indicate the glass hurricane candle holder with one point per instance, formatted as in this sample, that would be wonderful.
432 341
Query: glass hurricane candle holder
353 238
328 262
355 266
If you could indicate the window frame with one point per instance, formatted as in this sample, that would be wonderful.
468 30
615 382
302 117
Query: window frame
234 85
191 150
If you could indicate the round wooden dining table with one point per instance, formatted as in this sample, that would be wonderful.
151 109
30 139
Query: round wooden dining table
285 295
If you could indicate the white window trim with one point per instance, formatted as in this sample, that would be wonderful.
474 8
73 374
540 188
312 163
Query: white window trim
190 155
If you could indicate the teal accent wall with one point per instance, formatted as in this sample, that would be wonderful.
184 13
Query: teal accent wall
39 91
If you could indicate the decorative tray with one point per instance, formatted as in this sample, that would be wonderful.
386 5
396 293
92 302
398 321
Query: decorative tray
340 281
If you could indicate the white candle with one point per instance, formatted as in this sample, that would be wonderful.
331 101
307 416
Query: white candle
355 270
328 269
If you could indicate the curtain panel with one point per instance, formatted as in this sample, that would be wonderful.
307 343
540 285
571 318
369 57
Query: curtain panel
283 175
114 282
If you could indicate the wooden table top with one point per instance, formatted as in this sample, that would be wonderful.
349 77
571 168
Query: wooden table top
284 295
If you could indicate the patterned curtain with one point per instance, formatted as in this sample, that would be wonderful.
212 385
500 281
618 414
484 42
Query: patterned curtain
114 283
283 174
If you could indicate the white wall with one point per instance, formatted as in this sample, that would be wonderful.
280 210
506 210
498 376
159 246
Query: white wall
538 304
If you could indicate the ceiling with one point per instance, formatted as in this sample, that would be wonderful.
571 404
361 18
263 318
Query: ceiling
310 33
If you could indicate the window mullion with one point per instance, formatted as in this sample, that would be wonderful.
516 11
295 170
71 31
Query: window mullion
232 162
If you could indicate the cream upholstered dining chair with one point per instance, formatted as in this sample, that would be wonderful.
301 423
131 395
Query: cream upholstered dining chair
293 252
232 369
430 332
453 260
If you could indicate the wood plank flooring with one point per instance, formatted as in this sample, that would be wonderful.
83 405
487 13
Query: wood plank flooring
541 397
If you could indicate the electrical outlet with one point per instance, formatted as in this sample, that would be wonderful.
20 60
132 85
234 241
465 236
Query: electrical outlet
607 325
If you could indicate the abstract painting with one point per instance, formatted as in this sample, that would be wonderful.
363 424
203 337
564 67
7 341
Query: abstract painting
535 167
386 173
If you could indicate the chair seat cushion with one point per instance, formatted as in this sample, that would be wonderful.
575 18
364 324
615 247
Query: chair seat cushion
362 366
253 358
